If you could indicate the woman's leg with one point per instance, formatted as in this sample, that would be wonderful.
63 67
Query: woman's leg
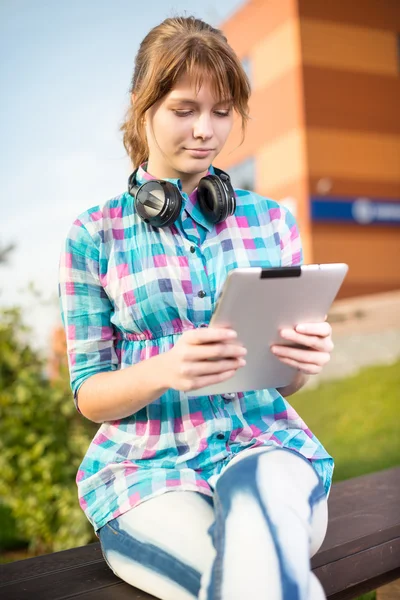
162 546
270 517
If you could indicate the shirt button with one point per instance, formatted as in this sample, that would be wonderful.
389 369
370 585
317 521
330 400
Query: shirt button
202 294
192 249
229 397
221 436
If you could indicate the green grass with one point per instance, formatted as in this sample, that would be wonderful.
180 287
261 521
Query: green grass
356 420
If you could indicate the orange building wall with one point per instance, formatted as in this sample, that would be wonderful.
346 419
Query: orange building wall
371 252
351 84
325 106
276 135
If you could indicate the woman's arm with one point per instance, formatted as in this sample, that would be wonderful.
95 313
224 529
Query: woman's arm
298 382
189 365
86 310
101 390
115 395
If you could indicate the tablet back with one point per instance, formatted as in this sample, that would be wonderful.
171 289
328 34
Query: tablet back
257 303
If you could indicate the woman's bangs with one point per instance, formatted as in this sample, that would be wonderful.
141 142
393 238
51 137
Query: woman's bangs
214 74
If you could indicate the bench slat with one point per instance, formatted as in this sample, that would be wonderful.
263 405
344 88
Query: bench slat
119 592
47 564
361 549
345 575
363 512
63 584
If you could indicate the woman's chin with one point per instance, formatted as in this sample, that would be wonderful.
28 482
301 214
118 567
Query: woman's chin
195 166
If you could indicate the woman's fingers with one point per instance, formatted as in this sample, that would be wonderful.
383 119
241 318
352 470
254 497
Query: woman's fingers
201 368
215 352
301 357
205 356
209 335
202 381
211 343
316 342
319 329
308 368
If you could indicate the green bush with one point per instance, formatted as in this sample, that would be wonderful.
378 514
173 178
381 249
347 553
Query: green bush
8 535
42 442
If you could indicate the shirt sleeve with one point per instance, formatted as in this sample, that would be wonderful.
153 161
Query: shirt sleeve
290 241
86 309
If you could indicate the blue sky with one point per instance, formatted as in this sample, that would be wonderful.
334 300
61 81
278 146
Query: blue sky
65 73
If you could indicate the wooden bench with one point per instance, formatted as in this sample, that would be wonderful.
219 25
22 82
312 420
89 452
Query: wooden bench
361 552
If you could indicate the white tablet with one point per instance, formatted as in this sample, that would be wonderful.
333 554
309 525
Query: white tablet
257 303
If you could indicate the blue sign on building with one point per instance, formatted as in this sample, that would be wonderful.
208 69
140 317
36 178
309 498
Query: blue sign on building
364 211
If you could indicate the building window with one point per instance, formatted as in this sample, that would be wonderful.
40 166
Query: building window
246 64
243 175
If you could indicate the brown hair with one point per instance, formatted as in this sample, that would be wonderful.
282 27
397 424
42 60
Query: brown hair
176 47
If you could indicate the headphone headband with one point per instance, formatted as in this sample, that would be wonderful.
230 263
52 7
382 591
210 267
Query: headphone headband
159 202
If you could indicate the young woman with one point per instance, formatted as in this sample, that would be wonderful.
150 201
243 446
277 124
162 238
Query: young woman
247 480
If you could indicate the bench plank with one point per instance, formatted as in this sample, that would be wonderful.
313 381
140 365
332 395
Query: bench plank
359 569
363 512
119 592
51 563
361 551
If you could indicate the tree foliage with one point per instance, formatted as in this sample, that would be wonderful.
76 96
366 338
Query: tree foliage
5 251
42 442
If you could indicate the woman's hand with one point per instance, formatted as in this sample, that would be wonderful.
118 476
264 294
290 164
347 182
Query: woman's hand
202 357
316 342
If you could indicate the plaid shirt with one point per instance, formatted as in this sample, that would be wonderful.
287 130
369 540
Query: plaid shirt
127 292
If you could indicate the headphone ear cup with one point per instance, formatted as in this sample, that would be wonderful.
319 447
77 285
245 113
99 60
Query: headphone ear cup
213 199
157 202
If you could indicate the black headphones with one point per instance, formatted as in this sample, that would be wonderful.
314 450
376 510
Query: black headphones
159 202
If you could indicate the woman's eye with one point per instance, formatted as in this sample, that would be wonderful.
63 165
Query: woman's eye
187 113
182 113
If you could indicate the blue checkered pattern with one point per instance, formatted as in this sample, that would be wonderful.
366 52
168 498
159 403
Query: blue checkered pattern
127 292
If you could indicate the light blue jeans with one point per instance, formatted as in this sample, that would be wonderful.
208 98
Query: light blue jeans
253 539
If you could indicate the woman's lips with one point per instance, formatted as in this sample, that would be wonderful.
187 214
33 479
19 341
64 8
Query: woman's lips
199 152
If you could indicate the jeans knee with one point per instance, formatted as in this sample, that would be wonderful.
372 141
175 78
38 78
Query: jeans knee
278 472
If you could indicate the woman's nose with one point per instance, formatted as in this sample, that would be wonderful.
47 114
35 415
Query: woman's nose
203 127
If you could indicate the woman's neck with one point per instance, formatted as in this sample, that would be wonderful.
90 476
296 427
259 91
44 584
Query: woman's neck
189 181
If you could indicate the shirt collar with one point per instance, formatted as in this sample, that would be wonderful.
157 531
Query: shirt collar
189 203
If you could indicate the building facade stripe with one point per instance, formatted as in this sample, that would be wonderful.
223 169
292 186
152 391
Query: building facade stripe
257 19
349 47
276 54
351 100
283 103
382 14
341 186
353 154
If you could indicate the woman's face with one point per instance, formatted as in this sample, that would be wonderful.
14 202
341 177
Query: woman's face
186 131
